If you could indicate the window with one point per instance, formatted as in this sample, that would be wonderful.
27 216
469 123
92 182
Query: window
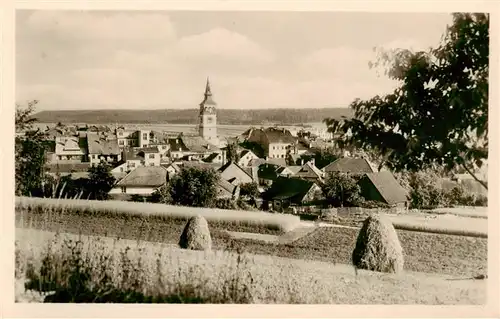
152 156
145 136
122 142
132 164
124 189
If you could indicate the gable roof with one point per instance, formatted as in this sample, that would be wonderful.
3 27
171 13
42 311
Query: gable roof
67 167
100 145
145 176
210 158
232 170
294 168
245 152
225 187
176 144
309 170
197 144
149 149
70 145
173 165
277 135
388 187
293 189
349 165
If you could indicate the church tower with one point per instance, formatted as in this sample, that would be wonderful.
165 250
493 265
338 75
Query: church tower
208 117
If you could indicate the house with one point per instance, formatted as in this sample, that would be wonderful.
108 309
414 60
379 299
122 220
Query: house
172 169
286 192
236 175
127 138
383 187
349 165
288 171
76 170
151 155
176 148
246 157
226 190
268 173
271 161
274 141
102 149
309 171
143 180
213 158
70 149
200 148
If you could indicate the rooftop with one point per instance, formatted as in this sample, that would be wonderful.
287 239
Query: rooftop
145 176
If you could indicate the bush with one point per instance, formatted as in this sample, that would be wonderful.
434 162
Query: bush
342 189
193 187
196 235
378 247
424 189
226 203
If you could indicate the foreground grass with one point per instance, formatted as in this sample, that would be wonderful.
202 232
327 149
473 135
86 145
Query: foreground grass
91 269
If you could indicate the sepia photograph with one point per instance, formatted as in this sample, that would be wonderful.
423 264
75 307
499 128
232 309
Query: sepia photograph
251 157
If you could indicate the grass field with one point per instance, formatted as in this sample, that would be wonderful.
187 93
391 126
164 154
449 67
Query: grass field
425 252
116 216
158 272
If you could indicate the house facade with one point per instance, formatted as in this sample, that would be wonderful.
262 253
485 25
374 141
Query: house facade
275 141
101 149
287 192
143 180
70 149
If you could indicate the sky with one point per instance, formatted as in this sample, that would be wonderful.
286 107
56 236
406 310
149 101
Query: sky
255 60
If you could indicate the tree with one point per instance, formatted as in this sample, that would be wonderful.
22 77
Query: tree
232 154
322 157
250 190
192 187
341 190
29 153
439 113
100 181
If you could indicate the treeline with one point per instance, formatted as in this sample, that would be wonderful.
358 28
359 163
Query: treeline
190 116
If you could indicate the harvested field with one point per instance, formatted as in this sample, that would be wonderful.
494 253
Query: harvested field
281 222
425 252
274 279
114 216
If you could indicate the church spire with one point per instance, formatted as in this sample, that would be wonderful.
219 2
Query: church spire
208 91
208 96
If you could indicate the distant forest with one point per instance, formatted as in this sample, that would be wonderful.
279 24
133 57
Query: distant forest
190 116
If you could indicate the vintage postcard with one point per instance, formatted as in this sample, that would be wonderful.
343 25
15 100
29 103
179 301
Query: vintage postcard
281 155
